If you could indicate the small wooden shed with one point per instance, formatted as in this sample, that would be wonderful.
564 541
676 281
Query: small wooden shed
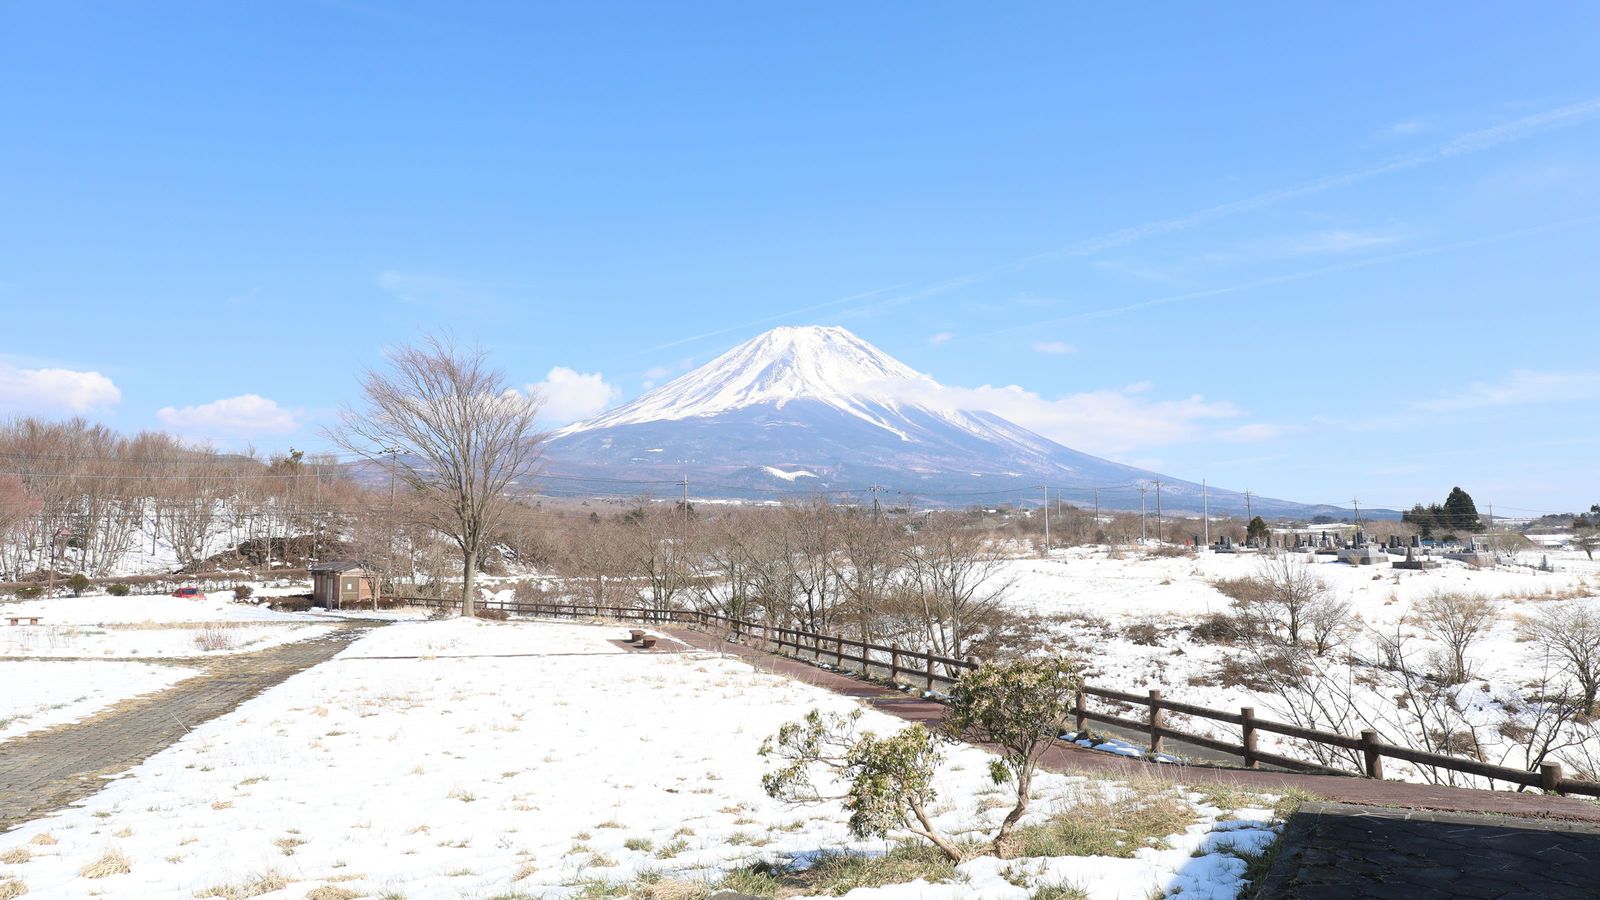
339 582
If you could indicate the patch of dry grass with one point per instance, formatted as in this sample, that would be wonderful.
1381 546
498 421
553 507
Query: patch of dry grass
1104 826
331 892
11 888
265 883
111 862
16 856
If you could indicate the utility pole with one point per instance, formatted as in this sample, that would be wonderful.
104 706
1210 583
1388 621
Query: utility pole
1158 512
1097 509
1142 489
685 510
1248 513
1205 510
1047 518
388 531
875 489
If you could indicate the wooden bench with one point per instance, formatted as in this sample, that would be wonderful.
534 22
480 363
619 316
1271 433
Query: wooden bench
636 635
647 641
17 620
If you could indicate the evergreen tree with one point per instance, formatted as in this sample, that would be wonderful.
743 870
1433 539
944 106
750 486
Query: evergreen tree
1256 532
1460 513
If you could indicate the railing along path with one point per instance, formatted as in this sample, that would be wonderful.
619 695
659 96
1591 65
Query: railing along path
902 666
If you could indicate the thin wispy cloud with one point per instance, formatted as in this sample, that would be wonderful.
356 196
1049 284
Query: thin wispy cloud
1464 144
1058 348
1521 387
940 339
1292 277
439 292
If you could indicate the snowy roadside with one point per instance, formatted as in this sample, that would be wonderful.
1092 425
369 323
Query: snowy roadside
469 758
41 694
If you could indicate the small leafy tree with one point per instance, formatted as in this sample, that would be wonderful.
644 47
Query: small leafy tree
1019 708
118 589
888 782
78 583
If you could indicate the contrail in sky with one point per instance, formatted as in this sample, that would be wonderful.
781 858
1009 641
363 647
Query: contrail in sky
1461 145
1110 311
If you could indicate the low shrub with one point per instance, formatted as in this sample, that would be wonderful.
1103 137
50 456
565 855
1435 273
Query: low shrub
242 591
78 583
1221 628
497 615
1244 590
215 637
300 603
30 592
1144 633
119 589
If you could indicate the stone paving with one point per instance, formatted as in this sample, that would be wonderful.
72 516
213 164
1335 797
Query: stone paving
49 769
1333 851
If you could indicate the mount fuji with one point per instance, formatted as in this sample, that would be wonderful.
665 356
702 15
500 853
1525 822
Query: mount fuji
802 409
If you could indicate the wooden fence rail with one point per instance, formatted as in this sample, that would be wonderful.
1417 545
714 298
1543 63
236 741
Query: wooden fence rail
930 671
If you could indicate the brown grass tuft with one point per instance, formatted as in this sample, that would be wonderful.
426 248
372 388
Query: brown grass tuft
329 892
111 862
11 888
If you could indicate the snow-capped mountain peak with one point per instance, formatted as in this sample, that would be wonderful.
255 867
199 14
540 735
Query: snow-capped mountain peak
825 364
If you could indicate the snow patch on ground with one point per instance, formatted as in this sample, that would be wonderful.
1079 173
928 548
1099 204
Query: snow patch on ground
40 694
787 476
472 758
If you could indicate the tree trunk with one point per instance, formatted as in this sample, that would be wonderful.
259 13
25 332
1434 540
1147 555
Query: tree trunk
469 572
1004 842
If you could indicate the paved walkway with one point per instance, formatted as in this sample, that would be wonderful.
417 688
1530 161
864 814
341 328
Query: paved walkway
1334 851
1072 758
49 769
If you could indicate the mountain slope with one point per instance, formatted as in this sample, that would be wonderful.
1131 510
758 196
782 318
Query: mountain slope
815 408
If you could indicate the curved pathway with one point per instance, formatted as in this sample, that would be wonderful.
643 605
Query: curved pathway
48 769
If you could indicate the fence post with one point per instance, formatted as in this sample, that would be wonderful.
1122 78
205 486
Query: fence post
838 651
1081 709
930 671
1247 716
1155 721
1550 778
894 664
1369 753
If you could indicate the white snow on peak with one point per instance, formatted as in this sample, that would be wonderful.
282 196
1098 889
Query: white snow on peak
826 364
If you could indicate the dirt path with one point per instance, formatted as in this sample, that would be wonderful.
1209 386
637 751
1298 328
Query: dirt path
48 769
1071 758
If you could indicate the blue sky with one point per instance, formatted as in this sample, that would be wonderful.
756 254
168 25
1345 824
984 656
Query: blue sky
1347 251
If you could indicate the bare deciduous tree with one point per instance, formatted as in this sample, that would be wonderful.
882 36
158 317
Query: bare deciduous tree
1457 621
1570 632
463 438
956 578
1291 595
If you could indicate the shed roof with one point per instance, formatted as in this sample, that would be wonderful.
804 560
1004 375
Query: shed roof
336 565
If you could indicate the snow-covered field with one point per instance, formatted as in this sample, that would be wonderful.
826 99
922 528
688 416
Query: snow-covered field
106 627
1092 597
39 694
475 759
